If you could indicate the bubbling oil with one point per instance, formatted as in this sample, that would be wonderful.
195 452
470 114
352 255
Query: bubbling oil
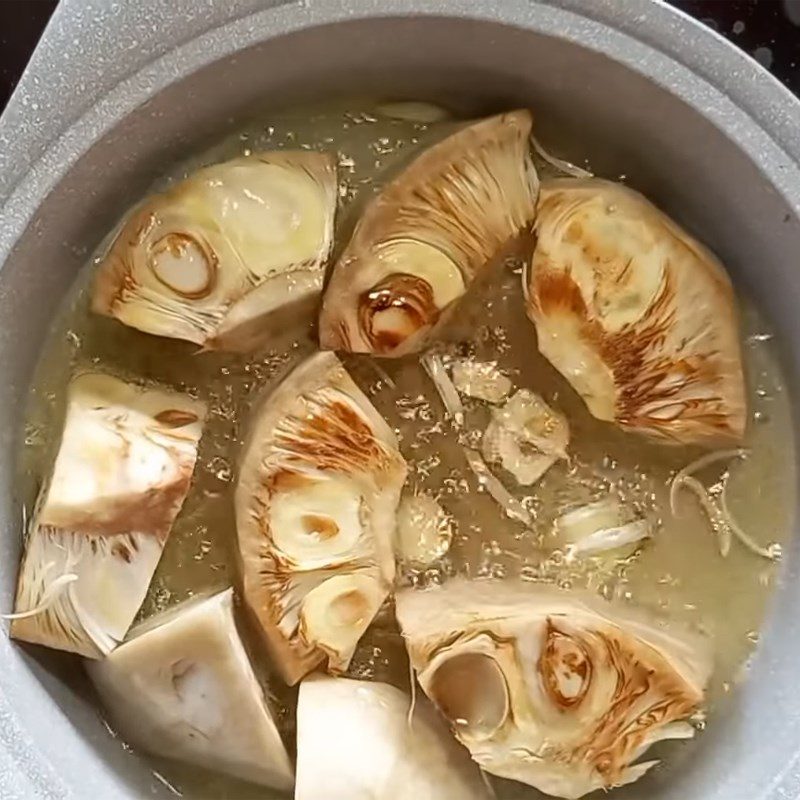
678 573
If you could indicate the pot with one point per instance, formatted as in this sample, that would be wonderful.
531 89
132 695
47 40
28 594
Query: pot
116 91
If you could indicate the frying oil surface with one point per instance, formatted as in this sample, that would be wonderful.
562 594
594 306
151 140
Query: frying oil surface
679 572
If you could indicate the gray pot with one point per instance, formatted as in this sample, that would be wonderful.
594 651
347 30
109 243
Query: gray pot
116 90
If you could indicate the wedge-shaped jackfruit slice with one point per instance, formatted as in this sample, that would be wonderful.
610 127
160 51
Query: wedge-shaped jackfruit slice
182 687
315 513
559 691
101 521
211 258
639 317
355 741
424 238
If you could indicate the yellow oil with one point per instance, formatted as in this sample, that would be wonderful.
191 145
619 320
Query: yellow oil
679 573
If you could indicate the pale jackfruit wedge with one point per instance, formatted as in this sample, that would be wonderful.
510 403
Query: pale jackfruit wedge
101 521
355 742
639 317
561 691
182 687
318 488
213 257
425 237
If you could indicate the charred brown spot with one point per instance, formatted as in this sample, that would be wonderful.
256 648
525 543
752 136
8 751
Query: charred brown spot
279 482
141 228
556 292
176 418
151 513
115 282
396 309
652 391
121 550
450 185
574 232
322 527
648 694
565 667
349 608
333 437
286 480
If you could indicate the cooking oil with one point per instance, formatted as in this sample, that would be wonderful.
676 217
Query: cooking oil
679 573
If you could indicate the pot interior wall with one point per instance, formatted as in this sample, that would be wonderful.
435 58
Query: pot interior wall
585 104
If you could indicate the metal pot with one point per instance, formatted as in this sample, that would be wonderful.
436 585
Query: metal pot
117 90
